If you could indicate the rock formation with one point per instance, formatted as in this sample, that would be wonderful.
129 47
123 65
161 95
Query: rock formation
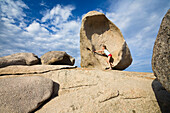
161 53
97 30
57 58
92 90
19 59
24 94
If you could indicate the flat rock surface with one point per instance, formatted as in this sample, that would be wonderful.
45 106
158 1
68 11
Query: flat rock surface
102 91
91 90
24 94
35 69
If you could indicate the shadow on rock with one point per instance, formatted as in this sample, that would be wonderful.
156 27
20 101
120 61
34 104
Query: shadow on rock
93 25
56 87
162 96
55 90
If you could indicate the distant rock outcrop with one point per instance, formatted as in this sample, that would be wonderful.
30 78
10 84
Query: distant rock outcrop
97 30
24 94
57 58
19 59
161 53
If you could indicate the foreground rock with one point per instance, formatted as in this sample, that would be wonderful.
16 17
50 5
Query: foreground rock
97 30
93 91
19 59
57 58
89 90
161 53
24 94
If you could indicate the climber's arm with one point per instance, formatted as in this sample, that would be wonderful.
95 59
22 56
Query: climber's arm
99 51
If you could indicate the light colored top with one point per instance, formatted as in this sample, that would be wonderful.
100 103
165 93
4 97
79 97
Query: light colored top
106 52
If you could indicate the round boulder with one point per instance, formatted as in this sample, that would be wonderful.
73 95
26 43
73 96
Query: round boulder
24 94
97 30
161 53
57 58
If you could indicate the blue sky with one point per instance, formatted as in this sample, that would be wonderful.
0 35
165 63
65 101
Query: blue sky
39 26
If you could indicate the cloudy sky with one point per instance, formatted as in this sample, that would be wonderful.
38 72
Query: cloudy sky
39 26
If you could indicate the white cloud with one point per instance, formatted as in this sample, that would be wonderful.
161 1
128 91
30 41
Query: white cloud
43 4
58 14
34 27
13 9
99 10
37 31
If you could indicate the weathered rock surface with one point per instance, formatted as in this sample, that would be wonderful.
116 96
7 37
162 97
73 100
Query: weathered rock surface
24 94
161 53
19 59
97 30
57 58
89 90
35 69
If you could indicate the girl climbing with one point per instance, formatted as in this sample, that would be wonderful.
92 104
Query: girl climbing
106 52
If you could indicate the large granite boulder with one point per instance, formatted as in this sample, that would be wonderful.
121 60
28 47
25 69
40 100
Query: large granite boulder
19 59
24 94
161 53
57 58
97 30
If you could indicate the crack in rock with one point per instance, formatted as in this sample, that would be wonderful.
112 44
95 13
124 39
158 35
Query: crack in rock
40 72
133 97
79 86
30 73
108 96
